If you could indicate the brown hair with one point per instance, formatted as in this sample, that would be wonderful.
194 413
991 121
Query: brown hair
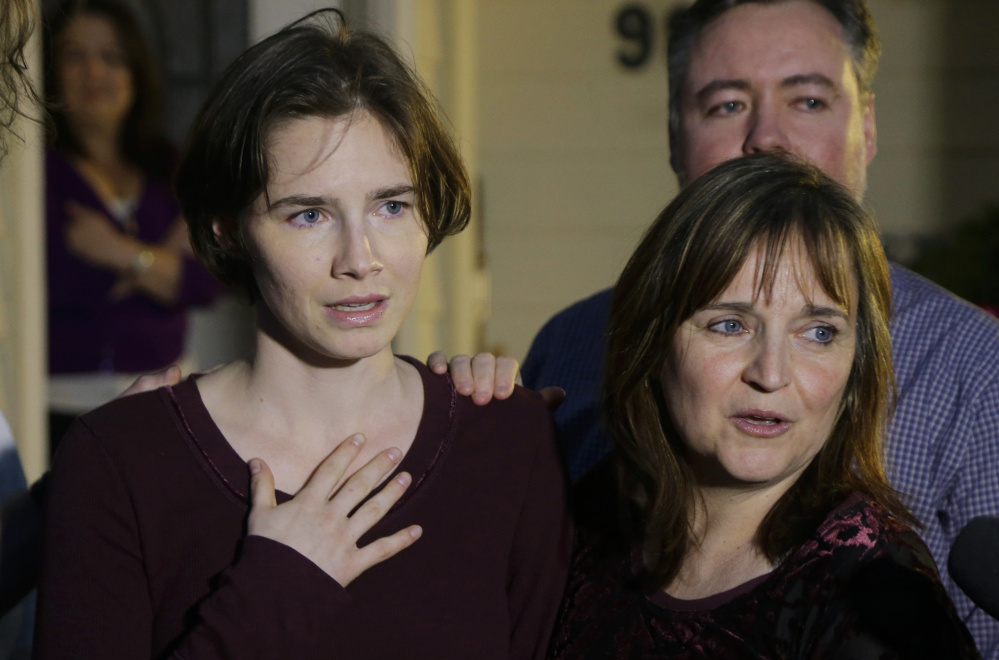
684 26
315 67
687 258
142 142
16 22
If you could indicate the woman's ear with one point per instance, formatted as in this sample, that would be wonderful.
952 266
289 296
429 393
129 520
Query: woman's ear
229 237
224 238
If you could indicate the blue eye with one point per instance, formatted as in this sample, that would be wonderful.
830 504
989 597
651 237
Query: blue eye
813 103
306 219
727 327
394 207
823 334
727 108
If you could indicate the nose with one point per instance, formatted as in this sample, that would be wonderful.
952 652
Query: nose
354 256
88 63
768 369
91 68
766 134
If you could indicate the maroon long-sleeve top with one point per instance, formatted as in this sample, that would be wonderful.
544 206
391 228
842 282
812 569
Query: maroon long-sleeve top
145 553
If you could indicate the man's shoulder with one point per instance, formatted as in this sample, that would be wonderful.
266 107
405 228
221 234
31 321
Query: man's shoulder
929 322
920 303
569 349
589 314
581 324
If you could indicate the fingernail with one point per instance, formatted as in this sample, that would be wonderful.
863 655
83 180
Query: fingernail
357 439
254 466
394 454
416 531
403 479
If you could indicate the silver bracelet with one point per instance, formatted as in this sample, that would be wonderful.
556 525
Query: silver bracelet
142 261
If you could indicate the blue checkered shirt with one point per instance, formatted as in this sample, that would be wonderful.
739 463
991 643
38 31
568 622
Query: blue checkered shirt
943 446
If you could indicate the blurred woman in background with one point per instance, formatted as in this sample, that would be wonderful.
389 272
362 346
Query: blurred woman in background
121 274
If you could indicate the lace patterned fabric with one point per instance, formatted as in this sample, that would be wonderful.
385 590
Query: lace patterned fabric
864 586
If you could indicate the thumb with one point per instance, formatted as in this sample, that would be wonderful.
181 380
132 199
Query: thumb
169 376
553 396
261 487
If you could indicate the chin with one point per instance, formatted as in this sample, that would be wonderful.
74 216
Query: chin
755 473
357 352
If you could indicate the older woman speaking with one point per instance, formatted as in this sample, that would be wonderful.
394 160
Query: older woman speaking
749 385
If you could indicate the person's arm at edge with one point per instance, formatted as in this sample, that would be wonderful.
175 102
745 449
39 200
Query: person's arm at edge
22 517
21 544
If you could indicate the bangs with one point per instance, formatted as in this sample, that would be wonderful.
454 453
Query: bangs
719 242
814 244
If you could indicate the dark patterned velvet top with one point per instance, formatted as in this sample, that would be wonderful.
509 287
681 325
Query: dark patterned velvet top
864 586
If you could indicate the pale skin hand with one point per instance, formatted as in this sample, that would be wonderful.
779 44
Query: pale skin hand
169 376
157 379
315 521
486 377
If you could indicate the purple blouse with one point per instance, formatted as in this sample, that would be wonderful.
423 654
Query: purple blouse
88 332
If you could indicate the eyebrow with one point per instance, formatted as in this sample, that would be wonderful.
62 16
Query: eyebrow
299 200
812 310
720 85
741 85
807 310
392 191
809 79
309 200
